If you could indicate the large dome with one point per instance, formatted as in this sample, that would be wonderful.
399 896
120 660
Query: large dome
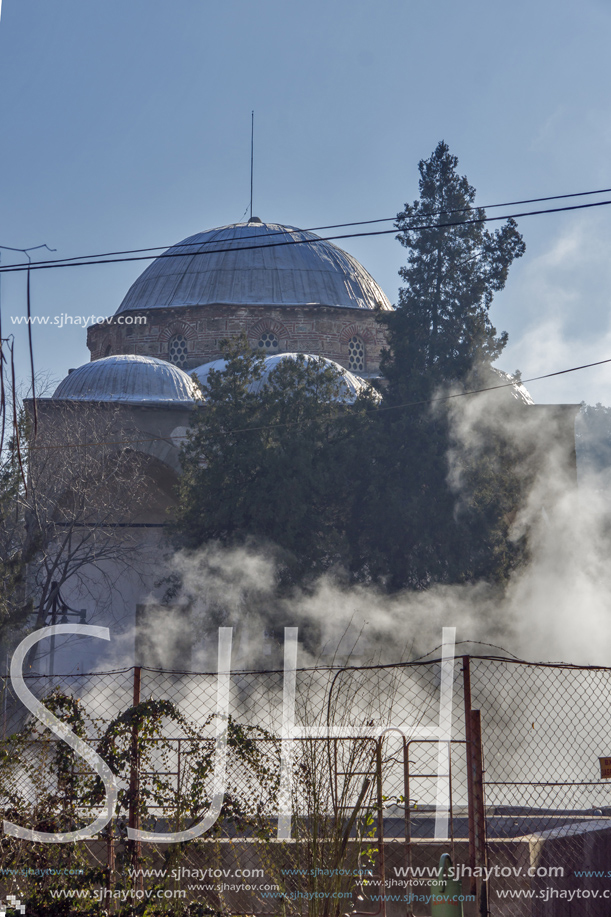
130 379
255 263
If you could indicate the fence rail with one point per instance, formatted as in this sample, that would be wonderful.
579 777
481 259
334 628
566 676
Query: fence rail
373 788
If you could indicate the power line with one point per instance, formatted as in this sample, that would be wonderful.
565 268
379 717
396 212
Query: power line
416 404
112 257
390 407
135 251
26 252
491 388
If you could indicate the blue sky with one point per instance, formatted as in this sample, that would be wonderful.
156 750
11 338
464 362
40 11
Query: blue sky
127 124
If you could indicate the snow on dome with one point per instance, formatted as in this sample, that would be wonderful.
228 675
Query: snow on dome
350 386
253 263
202 371
519 391
130 379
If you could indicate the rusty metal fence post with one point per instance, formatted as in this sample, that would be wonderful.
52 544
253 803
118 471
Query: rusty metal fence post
475 793
134 785
380 805
110 856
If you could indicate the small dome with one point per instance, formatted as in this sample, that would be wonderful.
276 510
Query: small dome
202 371
350 385
519 391
130 379
255 263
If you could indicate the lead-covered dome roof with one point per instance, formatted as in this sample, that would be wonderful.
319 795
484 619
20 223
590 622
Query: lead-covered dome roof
255 263
349 385
130 379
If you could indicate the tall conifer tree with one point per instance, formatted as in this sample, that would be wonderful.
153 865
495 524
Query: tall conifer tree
411 534
441 331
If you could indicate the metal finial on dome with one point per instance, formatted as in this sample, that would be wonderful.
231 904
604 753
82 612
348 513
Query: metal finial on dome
252 156
255 220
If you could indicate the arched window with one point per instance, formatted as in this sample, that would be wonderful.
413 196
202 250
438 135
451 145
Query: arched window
177 350
268 343
107 350
356 354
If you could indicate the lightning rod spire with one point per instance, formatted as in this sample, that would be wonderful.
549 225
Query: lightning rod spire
252 139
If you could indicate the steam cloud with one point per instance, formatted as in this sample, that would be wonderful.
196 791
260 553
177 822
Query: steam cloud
555 608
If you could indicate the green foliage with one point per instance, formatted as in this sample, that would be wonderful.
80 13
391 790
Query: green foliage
441 339
273 467
441 331
42 786
45 785
367 487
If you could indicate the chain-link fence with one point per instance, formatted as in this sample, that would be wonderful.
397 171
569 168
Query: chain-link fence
335 795
544 728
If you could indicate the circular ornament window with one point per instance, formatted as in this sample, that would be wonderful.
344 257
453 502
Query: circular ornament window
268 343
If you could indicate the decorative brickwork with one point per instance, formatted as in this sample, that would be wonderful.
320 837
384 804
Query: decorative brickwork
360 329
263 327
174 328
321 330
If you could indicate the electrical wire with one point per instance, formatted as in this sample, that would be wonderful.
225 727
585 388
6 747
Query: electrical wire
532 200
31 350
109 257
26 252
105 259
294 423
469 642
16 420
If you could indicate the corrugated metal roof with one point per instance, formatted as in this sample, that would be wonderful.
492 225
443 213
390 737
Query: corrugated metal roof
130 379
349 387
311 273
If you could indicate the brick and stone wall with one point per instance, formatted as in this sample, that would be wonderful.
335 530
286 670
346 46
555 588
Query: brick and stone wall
320 330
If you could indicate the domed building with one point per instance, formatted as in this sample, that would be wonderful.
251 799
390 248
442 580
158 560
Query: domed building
292 294
128 380
287 289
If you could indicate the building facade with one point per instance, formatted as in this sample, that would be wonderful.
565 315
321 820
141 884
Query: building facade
287 290
290 293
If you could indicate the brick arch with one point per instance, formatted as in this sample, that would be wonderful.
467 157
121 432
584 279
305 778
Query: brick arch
100 351
178 327
363 331
267 324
